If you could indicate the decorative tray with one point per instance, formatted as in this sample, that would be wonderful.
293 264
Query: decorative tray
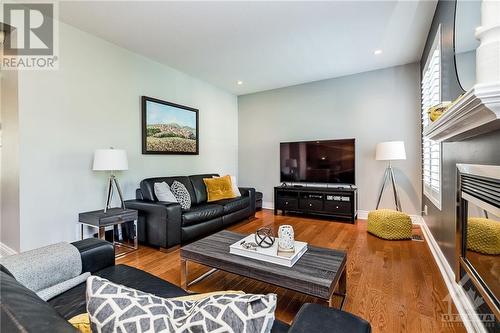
269 254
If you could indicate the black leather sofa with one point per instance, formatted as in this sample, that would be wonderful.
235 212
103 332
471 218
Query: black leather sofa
165 224
258 200
21 310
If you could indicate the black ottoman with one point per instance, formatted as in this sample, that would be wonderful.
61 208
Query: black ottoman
258 200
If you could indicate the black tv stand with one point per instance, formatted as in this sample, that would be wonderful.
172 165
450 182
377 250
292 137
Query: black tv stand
338 203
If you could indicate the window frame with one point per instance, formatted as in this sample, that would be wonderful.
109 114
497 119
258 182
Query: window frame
432 183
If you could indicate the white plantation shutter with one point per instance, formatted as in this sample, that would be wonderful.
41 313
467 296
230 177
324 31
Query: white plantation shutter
431 95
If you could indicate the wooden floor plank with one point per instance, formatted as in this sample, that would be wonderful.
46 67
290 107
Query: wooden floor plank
395 285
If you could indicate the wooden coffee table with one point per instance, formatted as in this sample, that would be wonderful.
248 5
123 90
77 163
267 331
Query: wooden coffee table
320 272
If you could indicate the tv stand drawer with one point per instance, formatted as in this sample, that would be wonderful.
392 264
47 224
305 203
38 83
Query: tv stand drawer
311 204
287 203
338 207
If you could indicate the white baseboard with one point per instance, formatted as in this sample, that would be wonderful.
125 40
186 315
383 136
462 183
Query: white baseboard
464 307
6 251
362 214
415 219
268 204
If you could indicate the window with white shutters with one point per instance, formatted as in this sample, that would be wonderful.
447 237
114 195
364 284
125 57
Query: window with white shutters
431 95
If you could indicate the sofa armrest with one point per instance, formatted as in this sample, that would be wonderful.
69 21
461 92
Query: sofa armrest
161 222
96 254
249 192
22 311
316 318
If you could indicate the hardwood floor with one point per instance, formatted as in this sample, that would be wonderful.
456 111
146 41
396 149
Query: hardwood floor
395 285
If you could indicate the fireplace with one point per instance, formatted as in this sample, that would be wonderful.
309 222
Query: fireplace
478 239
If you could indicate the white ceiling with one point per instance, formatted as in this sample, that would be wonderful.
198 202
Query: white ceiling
266 45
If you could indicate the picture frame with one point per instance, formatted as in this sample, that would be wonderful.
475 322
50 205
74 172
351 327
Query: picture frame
169 128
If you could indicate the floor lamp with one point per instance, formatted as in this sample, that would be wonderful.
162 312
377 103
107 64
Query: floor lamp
111 160
390 151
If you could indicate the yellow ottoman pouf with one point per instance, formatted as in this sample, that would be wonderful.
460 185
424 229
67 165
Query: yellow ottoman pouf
483 235
389 224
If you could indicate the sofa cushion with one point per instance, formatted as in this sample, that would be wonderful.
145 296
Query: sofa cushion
181 194
200 191
81 322
219 188
143 312
234 184
147 186
233 205
163 192
35 315
196 231
72 302
201 213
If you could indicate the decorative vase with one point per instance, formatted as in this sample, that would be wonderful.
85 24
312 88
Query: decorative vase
436 111
286 240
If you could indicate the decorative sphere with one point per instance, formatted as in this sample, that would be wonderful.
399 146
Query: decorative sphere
264 237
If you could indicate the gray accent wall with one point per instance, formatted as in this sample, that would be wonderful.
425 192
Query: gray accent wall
479 150
466 68
371 107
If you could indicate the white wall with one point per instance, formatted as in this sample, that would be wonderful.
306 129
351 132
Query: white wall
9 159
371 107
93 101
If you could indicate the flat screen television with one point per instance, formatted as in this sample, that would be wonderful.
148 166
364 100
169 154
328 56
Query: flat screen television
325 161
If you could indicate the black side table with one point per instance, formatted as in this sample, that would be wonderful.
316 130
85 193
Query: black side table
113 217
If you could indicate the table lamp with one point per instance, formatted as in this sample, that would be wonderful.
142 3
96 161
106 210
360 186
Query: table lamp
390 151
111 160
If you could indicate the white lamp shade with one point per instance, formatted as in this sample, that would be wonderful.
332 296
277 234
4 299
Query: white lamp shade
390 151
110 160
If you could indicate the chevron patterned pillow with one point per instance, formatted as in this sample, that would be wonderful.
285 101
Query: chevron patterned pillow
116 308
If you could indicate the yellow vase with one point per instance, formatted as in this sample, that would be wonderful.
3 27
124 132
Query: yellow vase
437 111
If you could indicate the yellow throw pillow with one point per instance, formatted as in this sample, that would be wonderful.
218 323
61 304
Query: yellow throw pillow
219 188
197 297
81 322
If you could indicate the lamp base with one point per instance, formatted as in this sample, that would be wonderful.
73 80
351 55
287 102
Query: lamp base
389 173
109 197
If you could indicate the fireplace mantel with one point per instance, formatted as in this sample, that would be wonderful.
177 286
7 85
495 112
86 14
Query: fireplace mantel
477 112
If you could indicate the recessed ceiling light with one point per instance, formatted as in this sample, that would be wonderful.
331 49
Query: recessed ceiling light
377 52
239 83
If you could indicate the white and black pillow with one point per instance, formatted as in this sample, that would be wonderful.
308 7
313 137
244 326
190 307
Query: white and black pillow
181 193
116 308
163 192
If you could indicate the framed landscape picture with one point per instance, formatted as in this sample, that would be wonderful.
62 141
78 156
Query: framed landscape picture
169 128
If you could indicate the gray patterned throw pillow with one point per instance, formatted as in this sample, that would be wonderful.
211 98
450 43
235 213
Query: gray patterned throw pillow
181 194
116 308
